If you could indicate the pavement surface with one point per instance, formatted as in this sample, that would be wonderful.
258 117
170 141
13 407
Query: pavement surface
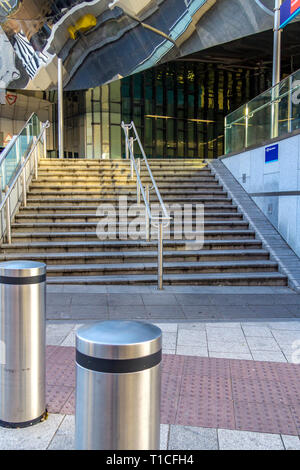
230 371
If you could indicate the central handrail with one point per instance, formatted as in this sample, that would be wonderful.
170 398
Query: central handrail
160 219
127 128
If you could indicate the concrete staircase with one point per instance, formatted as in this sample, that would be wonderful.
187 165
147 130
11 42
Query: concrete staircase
58 227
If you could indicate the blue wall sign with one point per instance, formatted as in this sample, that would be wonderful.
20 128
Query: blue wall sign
288 10
271 153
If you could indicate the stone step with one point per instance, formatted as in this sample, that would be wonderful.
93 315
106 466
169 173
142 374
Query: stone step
35 217
121 162
126 180
81 209
96 185
206 279
78 236
127 169
58 227
91 226
169 268
128 245
98 191
138 256
87 201
121 175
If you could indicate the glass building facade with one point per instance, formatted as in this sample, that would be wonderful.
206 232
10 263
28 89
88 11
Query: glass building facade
178 109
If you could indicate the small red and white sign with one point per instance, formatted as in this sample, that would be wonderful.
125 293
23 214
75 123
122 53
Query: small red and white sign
295 4
11 98
7 140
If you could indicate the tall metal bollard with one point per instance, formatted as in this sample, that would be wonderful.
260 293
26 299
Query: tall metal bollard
22 343
118 380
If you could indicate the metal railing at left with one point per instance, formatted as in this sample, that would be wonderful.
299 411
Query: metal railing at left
159 221
18 164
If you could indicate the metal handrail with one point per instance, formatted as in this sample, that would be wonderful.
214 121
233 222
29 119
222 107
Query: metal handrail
5 203
160 220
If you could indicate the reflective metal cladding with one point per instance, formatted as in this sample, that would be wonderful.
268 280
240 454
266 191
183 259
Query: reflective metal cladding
102 40
86 35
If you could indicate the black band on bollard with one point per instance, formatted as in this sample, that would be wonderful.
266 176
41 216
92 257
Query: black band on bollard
24 424
118 366
23 280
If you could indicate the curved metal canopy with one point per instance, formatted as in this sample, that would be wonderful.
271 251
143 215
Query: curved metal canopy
103 40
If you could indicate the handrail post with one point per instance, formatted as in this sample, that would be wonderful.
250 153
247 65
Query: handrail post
246 125
147 219
24 183
7 216
126 146
36 158
45 142
131 143
160 256
138 191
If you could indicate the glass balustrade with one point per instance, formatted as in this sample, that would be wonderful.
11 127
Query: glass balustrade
272 114
10 158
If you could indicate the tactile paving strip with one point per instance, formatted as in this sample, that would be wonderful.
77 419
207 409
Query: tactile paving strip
206 366
69 406
208 392
205 401
291 391
288 373
172 364
257 391
56 397
254 370
264 417
170 388
59 374
295 410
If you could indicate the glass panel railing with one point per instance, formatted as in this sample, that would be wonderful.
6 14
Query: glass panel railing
10 158
274 113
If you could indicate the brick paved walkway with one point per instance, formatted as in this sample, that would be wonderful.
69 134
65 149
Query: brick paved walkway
203 392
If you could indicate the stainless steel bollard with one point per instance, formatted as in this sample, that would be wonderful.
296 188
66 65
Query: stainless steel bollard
22 343
118 380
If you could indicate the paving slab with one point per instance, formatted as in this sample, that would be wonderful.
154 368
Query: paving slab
262 344
192 438
57 332
235 335
270 356
169 340
124 299
231 355
159 299
193 299
228 347
241 440
286 337
291 442
164 436
291 325
257 331
196 338
192 351
37 437
64 438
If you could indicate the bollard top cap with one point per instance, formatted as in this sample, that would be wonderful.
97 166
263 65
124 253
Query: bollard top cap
22 268
115 339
